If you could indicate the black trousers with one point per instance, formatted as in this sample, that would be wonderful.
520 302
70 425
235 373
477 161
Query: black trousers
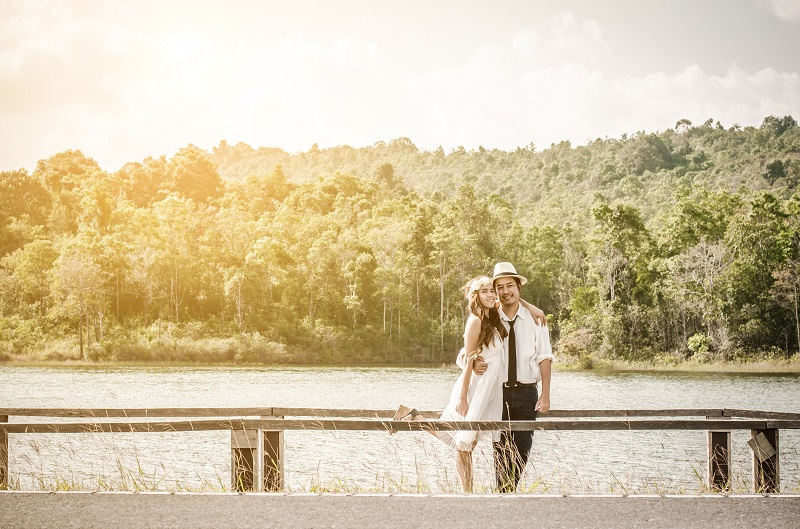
511 453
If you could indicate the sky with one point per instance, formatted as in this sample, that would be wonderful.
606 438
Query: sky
124 80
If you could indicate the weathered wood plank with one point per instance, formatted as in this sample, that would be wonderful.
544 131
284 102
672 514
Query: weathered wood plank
635 413
378 425
327 412
244 447
718 477
783 425
766 471
593 425
3 454
272 458
756 414
121 427
761 447
369 413
135 412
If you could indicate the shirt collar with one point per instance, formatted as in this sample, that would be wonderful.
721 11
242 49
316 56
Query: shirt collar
521 312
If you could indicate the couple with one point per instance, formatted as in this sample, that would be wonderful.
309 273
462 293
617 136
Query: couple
506 355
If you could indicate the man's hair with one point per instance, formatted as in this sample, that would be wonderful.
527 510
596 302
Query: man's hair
516 279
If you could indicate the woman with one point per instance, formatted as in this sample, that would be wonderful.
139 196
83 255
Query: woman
474 397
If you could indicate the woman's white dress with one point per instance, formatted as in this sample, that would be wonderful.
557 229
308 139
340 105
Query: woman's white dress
484 396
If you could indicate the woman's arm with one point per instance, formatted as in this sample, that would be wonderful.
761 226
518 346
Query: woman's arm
471 347
536 312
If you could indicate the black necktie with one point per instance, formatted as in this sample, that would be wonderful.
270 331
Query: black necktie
512 353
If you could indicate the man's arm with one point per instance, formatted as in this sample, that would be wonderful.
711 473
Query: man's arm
543 404
536 312
544 358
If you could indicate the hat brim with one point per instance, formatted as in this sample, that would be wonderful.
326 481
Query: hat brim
522 279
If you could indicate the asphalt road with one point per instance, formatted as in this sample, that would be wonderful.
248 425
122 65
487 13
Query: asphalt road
154 510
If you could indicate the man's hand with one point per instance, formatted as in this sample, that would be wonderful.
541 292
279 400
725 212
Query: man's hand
543 404
479 367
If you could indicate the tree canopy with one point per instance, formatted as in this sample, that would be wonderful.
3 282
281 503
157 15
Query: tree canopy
682 242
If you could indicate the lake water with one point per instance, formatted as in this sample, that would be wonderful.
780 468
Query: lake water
561 462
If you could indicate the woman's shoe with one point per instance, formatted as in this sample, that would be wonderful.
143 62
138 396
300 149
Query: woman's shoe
404 413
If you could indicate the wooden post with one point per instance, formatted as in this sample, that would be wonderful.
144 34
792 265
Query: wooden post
3 455
766 461
719 459
244 445
272 459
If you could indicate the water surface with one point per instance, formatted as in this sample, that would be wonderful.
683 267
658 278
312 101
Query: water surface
562 462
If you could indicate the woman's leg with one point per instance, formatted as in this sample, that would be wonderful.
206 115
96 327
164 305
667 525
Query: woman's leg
464 468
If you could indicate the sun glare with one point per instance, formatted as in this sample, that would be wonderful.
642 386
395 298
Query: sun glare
184 49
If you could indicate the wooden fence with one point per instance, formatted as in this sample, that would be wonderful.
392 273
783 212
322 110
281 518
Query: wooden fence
257 455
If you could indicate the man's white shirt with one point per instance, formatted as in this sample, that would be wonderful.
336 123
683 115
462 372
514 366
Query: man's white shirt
533 347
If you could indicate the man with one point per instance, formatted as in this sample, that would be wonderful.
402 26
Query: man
528 357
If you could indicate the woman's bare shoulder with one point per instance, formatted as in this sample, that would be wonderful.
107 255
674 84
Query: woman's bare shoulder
473 322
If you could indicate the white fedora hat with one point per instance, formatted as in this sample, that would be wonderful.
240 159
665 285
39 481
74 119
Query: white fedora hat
507 270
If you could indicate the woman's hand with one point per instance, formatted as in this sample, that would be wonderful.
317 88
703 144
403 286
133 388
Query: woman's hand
472 355
538 315
536 312
462 407
478 364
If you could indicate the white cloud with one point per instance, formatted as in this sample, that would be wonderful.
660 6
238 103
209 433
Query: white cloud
785 9
568 33
511 104
121 92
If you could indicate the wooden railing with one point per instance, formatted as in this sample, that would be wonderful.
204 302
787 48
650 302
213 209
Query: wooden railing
257 454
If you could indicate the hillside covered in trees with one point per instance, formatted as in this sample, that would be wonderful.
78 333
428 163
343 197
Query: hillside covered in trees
670 245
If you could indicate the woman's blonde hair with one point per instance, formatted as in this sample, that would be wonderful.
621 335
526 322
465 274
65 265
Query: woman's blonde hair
489 324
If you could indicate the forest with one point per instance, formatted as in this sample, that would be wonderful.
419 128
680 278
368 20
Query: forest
654 247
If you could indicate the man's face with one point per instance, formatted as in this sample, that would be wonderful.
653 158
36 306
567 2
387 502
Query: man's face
507 291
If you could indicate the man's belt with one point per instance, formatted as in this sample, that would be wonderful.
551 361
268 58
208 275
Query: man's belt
519 385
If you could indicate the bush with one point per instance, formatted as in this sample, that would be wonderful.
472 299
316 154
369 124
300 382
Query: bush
97 353
23 334
700 346
202 351
579 343
61 350
255 349
586 362
132 352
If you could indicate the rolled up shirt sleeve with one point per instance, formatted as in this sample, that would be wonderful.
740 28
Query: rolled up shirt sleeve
544 350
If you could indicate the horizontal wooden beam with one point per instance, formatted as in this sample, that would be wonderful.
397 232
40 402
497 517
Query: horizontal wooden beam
754 414
378 425
328 412
368 413
136 412
783 425
115 427
329 424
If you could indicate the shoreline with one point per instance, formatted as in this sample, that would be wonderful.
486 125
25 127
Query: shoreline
607 366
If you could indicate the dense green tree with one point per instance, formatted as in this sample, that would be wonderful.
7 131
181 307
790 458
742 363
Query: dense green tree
194 175
684 241
24 207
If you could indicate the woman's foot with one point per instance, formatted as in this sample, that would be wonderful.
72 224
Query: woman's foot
405 413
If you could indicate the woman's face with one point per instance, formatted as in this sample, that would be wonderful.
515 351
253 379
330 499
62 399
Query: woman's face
486 296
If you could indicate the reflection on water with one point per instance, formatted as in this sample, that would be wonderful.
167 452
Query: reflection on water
562 462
